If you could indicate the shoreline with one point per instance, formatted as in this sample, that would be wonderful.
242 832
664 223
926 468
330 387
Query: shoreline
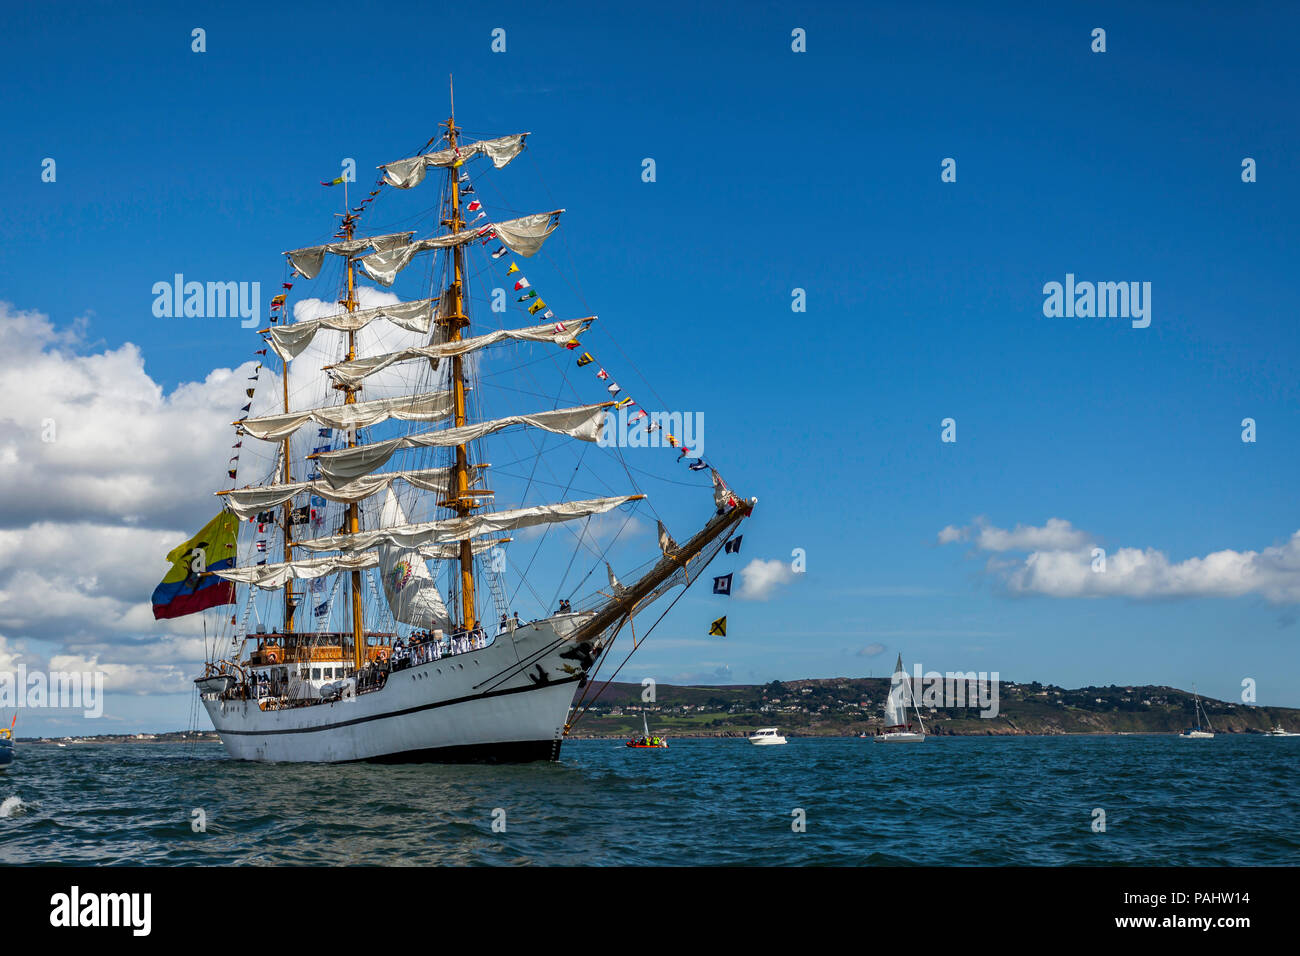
210 737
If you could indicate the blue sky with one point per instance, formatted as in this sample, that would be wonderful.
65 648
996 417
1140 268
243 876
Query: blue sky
775 170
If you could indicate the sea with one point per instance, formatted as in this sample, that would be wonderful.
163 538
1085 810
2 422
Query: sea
950 801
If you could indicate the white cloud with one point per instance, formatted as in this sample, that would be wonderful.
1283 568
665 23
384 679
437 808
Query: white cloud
87 518
1061 563
872 650
1273 573
122 451
1057 535
759 579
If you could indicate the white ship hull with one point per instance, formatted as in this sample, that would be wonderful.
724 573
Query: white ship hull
480 705
902 737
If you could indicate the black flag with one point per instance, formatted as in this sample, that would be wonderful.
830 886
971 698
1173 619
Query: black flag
733 546
722 585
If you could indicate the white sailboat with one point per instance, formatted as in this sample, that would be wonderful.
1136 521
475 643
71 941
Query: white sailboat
406 674
898 728
1197 733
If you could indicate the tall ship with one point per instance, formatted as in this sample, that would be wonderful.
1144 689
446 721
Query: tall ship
362 597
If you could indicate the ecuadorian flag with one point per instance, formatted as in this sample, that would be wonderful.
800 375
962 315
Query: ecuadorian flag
186 588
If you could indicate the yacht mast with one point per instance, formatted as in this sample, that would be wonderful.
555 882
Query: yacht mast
461 503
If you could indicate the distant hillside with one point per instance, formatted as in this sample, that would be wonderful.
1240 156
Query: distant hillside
847 706
850 705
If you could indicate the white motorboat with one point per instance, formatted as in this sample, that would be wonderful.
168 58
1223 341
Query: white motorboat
766 737
1278 731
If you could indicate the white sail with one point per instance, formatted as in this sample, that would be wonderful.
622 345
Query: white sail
405 173
271 576
424 407
346 464
524 236
899 697
410 589
463 529
558 333
307 262
249 502
288 341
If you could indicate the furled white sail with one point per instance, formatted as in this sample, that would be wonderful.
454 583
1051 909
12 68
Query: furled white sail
899 697
462 529
289 340
723 496
583 422
248 502
424 407
524 236
559 333
406 173
615 585
309 260
666 543
271 576
410 589
451 550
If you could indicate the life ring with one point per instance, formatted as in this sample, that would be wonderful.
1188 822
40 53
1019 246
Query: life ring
272 655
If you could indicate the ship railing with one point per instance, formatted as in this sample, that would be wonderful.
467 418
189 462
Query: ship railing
428 651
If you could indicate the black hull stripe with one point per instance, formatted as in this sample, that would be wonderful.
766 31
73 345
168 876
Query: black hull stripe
515 751
399 713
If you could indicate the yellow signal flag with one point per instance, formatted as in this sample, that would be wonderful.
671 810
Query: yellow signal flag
719 627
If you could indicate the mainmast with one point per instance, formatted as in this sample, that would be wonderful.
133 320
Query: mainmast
290 601
461 503
354 509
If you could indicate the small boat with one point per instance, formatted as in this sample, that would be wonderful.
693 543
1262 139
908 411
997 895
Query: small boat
645 741
60 744
7 744
214 685
898 729
1197 733
1279 732
766 737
